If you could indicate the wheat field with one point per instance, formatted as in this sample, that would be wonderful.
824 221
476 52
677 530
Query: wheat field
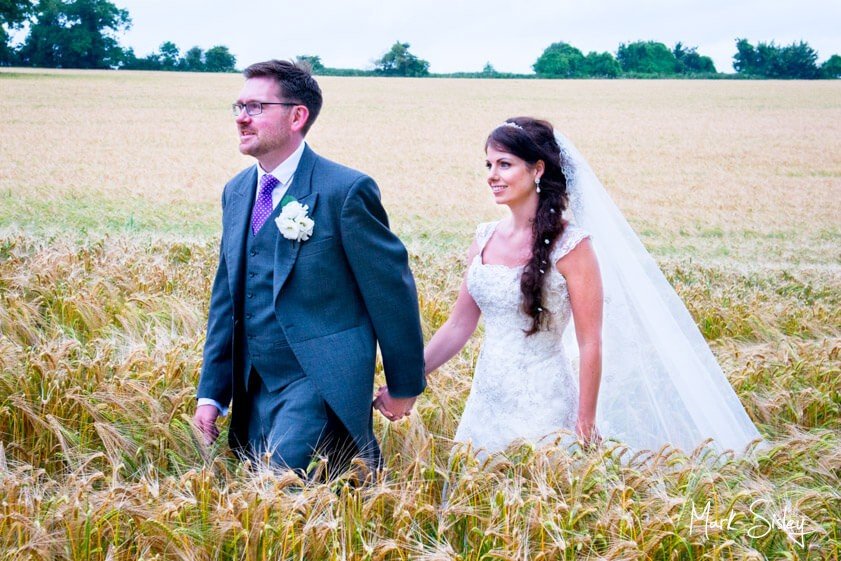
109 225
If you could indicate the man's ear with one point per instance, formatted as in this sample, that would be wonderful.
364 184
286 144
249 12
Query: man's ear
300 117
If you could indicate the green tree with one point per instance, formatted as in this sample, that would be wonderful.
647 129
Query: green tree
13 13
193 60
76 34
219 59
746 60
690 62
601 65
314 62
398 61
831 68
560 60
169 55
129 59
799 61
646 57
489 70
768 60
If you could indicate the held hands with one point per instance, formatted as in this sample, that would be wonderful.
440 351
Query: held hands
205 420
393 408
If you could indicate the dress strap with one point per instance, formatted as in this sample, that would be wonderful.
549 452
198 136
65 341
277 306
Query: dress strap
570 238
484 231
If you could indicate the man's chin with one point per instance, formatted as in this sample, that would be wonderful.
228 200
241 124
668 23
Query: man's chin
246 149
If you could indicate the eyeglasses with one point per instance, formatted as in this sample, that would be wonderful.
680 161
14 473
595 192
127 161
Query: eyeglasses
253 108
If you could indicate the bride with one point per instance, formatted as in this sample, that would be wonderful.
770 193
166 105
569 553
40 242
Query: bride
577 314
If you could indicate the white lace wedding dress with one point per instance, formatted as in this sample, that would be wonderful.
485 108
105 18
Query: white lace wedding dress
660 382
523 387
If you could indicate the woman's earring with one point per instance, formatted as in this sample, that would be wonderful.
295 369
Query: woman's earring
537 184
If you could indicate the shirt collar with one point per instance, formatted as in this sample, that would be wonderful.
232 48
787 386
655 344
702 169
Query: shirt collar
286 169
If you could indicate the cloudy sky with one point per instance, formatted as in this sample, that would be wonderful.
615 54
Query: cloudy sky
462 35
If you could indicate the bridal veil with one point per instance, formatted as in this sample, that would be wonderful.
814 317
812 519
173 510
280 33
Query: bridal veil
661 383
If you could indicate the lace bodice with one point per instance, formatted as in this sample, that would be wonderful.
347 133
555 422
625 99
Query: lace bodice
522 387
496 290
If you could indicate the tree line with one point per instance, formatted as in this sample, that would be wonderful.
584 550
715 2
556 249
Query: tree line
650 58
641 59
83 34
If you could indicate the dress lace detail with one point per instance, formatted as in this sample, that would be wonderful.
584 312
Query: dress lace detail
523 387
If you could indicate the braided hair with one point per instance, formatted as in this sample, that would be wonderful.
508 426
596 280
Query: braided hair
533 140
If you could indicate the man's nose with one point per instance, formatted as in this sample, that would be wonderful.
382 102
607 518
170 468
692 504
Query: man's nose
243 116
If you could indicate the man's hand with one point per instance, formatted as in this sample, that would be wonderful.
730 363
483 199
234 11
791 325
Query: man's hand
205 420
393 408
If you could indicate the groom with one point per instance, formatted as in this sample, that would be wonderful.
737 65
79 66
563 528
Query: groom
296 313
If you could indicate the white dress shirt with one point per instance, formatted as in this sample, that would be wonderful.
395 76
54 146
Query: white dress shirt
284 173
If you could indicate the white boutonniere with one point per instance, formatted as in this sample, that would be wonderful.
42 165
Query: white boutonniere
293 222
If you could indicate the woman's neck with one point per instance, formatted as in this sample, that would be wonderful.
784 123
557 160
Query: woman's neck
522 215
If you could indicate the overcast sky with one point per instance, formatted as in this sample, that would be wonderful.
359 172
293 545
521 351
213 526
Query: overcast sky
462 35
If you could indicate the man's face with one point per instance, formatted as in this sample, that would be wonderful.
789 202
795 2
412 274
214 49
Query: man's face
269 134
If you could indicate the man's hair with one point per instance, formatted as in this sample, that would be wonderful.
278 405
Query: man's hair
295 82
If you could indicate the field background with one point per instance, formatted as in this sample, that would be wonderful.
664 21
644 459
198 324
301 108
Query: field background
109 221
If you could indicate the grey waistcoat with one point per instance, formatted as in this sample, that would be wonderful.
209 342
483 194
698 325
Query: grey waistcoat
266 346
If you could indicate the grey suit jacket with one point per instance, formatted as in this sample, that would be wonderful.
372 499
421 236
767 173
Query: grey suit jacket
337 296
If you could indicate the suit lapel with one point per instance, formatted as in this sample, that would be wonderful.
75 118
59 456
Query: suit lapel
237 228
286 251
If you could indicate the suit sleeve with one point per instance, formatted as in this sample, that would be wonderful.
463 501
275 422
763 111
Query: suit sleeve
216 380
380 264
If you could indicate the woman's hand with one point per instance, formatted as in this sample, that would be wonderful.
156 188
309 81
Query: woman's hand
587 432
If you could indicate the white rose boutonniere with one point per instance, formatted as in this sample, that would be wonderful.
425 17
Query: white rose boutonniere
293 222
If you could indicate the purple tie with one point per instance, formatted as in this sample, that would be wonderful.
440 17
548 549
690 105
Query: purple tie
263 206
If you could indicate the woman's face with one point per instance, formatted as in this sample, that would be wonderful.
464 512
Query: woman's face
510 178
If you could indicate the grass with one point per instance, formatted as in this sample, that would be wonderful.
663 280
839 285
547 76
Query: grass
108 241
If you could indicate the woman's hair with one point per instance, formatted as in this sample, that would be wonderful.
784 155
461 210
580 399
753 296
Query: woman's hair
533 140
